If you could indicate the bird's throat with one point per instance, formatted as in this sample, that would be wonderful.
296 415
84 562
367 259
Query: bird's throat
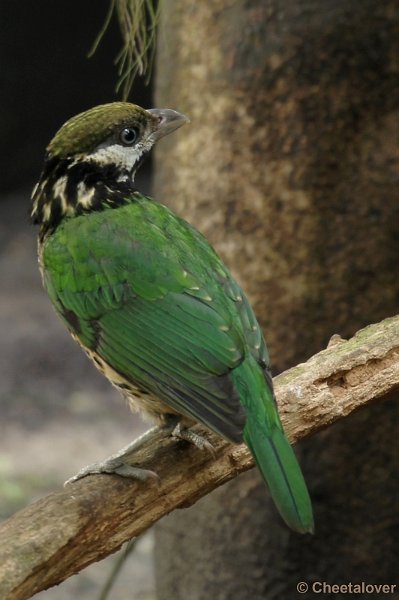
68 188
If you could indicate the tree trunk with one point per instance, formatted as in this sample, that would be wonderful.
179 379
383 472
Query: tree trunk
290 168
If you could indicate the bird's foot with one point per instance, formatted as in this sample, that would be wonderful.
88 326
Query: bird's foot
184 433
116 464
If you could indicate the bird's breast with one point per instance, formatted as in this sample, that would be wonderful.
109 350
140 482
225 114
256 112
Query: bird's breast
139 399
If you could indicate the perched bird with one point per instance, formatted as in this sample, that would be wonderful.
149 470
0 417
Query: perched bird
150 301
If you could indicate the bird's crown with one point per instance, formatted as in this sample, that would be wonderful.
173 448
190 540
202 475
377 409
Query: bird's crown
86 131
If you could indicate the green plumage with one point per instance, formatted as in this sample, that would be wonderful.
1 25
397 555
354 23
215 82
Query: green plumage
149 299
148 294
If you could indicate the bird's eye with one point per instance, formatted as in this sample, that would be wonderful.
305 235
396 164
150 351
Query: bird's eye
129 135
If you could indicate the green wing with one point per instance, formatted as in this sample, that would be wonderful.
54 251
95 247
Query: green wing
147 293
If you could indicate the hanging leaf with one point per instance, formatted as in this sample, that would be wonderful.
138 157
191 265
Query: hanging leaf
138 21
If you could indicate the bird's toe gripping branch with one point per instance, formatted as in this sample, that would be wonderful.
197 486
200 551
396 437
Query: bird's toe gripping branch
186 434
119 463
114 466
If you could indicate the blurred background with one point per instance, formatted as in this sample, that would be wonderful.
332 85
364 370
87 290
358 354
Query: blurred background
57 412
292 172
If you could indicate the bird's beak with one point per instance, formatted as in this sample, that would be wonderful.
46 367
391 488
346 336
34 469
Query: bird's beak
167 121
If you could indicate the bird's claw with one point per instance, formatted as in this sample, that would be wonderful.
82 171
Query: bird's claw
115 466
186 434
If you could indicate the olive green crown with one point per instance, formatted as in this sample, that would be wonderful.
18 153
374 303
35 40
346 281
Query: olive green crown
84 132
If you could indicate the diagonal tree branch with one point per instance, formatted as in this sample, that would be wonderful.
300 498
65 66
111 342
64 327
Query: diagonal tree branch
61 534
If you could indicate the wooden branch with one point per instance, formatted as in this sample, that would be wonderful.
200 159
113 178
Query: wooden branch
61 534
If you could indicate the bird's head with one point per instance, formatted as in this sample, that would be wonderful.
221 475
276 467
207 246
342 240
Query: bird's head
91 161
117 134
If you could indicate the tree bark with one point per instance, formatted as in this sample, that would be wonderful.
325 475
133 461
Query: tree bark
290 168
58 535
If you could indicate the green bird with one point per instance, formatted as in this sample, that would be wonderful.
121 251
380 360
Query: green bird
151 302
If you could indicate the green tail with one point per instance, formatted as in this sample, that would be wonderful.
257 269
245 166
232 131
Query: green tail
273 454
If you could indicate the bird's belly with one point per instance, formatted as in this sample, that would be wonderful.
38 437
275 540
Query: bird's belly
140 400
